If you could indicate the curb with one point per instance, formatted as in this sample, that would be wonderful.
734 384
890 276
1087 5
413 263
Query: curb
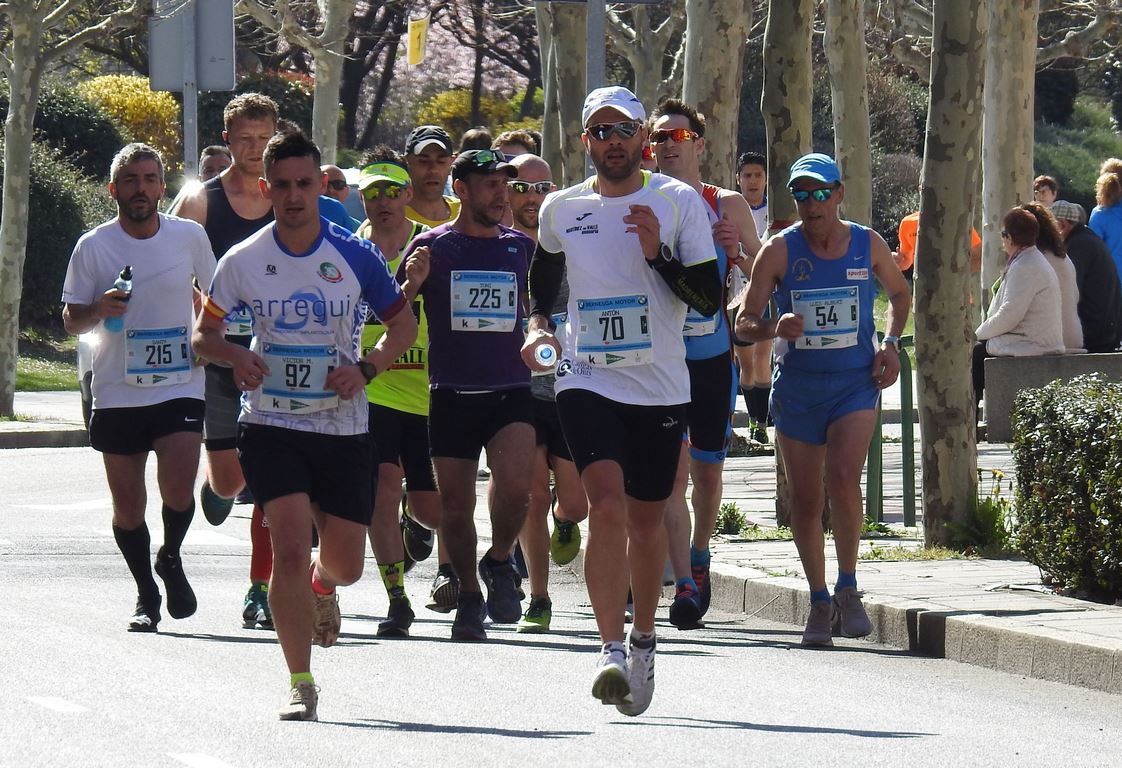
72 437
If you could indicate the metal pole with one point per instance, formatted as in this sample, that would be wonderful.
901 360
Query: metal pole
190 95
874 477
595 14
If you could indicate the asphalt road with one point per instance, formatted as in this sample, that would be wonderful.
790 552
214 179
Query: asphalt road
80 691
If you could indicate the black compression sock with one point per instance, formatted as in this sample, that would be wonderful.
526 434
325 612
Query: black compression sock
175 527
136 546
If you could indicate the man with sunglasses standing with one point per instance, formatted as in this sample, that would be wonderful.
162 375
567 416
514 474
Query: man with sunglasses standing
636 250
829 375
678 139
399 398
471 274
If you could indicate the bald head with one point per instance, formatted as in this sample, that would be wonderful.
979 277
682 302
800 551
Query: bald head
524 205
336 182
531 167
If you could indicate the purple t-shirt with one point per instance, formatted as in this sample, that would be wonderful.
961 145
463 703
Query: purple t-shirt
474 306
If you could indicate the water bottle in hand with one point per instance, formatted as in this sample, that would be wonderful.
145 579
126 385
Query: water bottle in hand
123 283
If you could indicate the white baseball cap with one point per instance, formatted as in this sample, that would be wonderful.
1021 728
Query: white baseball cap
613 97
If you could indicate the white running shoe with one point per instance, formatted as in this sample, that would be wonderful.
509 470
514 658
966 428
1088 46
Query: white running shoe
640 676
609 683
302 703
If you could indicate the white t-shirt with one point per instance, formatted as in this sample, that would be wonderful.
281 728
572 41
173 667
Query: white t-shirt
155 345
308 313
623 337
738 281
759 216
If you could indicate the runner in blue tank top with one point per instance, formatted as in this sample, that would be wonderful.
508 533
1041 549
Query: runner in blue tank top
828 376
678 139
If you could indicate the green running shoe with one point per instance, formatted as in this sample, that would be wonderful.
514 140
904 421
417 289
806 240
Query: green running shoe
536 619
564 542
256 613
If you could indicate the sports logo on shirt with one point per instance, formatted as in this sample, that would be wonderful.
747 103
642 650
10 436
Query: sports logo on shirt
857 274
802 270
330 272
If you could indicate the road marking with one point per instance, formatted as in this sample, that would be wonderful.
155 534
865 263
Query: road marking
198 760
57 704
73 506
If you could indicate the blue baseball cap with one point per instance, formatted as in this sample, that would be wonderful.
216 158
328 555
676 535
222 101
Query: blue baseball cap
816 166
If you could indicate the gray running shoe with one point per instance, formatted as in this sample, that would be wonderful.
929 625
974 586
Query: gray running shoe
640 676
445 590
818 630
301 703
850 618
610 683
328 620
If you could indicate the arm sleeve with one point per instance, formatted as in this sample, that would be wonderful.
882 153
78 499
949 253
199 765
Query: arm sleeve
699 285
547 270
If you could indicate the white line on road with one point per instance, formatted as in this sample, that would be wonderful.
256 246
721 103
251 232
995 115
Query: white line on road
57 704
198 760
75 506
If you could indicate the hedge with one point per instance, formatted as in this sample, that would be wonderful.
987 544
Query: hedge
1067 448
150 116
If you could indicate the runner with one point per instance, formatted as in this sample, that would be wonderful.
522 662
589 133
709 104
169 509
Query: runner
754 359
678 139
472 276
828 376
147 394
399 400
527 191
636 248
303 436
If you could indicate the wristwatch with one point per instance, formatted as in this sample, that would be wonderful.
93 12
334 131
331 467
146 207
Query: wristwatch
368 370
893 340
664 257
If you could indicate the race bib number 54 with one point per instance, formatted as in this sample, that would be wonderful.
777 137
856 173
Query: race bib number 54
830 319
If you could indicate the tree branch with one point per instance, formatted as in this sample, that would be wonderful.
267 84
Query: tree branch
136 9
1077 42
620 27
283 22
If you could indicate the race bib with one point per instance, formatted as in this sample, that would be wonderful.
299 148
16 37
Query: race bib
241 324
614 331
157 357
698 324
484 301
296 377
829 317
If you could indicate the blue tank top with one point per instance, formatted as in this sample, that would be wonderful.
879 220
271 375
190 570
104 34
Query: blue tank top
708 337
835 298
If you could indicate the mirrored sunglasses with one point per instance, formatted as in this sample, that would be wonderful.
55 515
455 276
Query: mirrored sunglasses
390 191
625 129
821 195
537 187
679 135
487 156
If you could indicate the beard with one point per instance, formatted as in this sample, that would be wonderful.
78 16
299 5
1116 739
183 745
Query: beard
138 210
617 170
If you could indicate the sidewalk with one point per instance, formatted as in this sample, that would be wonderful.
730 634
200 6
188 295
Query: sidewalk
992 613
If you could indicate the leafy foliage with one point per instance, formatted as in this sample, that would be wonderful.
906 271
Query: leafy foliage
1067 446
988 531
291 91
77 127
150 116
1072 154
452 110
730 520
895 179
65 204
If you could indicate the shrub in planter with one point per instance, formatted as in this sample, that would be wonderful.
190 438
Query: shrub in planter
1067 447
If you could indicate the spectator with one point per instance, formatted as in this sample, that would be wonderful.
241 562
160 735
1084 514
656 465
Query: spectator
336 183
475 138
905 254
1024 319
1096 279
1106 219
214 160
514 143
1045 190
1050 242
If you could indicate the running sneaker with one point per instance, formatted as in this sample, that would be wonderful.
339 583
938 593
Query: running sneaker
146 616
685 611
609 682
245 496
640 676
467 627
418 539
629 608
759 434
256 613
564 542
850 619
215 508
445 590
181 598
819 624
328 620
700 575
301 703
503 604
399 617
536 619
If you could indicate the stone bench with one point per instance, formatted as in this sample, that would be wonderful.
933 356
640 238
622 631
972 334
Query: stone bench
1006 376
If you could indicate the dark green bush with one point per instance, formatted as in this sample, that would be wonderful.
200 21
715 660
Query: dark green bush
291 92
1074 153
65 204
1067 448
895 179
81 130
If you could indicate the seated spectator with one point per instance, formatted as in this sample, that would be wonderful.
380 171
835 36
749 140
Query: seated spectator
1050 242
1096 278
1024 318
1045 189
514 143
1106 218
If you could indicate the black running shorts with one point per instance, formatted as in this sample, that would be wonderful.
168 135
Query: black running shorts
547 424
403 438
223 405
128 431
462 423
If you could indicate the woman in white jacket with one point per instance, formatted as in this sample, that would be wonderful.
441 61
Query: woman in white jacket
1025 318
1051 243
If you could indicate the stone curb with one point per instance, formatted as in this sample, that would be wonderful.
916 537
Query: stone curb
68 437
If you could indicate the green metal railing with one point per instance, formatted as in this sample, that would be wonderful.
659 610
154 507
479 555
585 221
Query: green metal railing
874 487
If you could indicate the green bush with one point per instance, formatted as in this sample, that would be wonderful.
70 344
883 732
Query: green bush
78 128
65 205
292 92
1073 154
895 179
150 116
452 110
1067 448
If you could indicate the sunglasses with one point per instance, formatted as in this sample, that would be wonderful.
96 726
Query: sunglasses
821 195
337 184
390 192
537 187
680 135
487 156
625 129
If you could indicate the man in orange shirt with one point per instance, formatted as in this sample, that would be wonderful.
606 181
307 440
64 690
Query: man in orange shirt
906 254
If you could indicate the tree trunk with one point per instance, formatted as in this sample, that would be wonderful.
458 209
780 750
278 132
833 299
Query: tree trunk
477 72
551 144
645 56
569 60
846 54
716 31
943 335
1008 124
26 74
336 15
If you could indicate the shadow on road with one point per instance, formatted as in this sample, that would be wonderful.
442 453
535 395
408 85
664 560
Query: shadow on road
697 722
457 730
